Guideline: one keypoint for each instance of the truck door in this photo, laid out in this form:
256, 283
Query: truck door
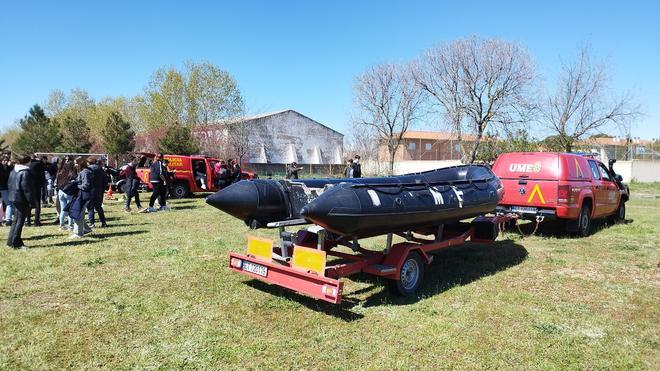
210, 166
611, 202
599, 190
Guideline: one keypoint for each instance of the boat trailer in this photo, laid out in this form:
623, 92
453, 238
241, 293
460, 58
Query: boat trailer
300, 262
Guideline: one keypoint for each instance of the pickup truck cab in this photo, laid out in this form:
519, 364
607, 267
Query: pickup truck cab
566, 186
191, 174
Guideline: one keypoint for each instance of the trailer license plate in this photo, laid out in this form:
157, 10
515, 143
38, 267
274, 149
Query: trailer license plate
523, 209
255, 268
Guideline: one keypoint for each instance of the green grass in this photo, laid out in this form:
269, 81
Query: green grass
153, 291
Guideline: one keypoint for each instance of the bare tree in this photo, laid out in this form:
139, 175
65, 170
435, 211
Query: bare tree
580, 105
476, 83
439, 73
388, 101
240, 137
363, 140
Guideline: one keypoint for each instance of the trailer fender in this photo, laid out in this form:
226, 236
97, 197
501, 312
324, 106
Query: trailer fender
398, 254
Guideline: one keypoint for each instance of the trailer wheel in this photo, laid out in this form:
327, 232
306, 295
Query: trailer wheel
180, 190
410, 277
584, 222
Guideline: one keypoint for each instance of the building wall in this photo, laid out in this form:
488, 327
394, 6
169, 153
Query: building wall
423, 150
289, 136
643, 171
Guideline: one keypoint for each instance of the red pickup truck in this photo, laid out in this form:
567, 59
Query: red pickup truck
572, 187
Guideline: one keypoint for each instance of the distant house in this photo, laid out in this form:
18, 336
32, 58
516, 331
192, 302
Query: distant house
428, 146
621, 148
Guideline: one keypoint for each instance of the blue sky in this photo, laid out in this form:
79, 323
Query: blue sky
304, 55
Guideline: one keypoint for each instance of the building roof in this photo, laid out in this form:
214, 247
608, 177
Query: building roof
267, 114
435, 135
615, 141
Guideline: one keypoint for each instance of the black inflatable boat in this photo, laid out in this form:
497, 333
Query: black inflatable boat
365, 207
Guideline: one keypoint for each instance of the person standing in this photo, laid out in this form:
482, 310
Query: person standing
158, 183
235, 171
81, 200
220, 174
21, 194
357, 168
97, 191
132, 185
66, 189
348, 170
292, 171
5, 169
38, 170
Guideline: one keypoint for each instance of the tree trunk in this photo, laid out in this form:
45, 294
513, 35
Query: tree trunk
392, 154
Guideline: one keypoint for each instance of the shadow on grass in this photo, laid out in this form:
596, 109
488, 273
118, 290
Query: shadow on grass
341, 311
453, 266
98, 235
42, 237
184, 207
456, 266
557, 228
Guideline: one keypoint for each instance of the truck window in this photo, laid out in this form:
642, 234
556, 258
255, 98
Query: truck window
605, 172
594, 169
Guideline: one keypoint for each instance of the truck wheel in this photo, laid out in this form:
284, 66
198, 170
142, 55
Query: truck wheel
619, 215
180, 190
584, 222
410, 277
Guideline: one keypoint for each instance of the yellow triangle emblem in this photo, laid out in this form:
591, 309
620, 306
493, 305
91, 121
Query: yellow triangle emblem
536, 190
578, 170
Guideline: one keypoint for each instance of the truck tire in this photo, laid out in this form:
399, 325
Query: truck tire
619, 215
584, 222
180, 190
410, 276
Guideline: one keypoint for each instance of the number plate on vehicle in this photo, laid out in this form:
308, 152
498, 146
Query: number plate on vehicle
523, 209
255, 268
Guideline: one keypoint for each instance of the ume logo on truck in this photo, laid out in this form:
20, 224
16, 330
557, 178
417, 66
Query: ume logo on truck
525, 168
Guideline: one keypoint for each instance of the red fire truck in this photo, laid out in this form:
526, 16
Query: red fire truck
186, 180
575, 188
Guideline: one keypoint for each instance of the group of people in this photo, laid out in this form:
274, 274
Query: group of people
353, 168
225, 174
28, 183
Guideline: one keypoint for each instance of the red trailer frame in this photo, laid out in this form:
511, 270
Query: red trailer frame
302, 266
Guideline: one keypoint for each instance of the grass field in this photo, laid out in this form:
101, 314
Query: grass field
152, 291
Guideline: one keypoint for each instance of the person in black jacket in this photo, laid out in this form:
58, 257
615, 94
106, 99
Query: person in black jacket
39, 175
5, 169
159, 183
97, 191
21, 194
235, 171
132, 185
357, 168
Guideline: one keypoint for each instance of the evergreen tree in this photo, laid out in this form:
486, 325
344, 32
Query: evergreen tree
118, 137
178, 140
75, 135
38, 133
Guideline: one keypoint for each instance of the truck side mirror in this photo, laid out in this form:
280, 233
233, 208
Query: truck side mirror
618, 178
